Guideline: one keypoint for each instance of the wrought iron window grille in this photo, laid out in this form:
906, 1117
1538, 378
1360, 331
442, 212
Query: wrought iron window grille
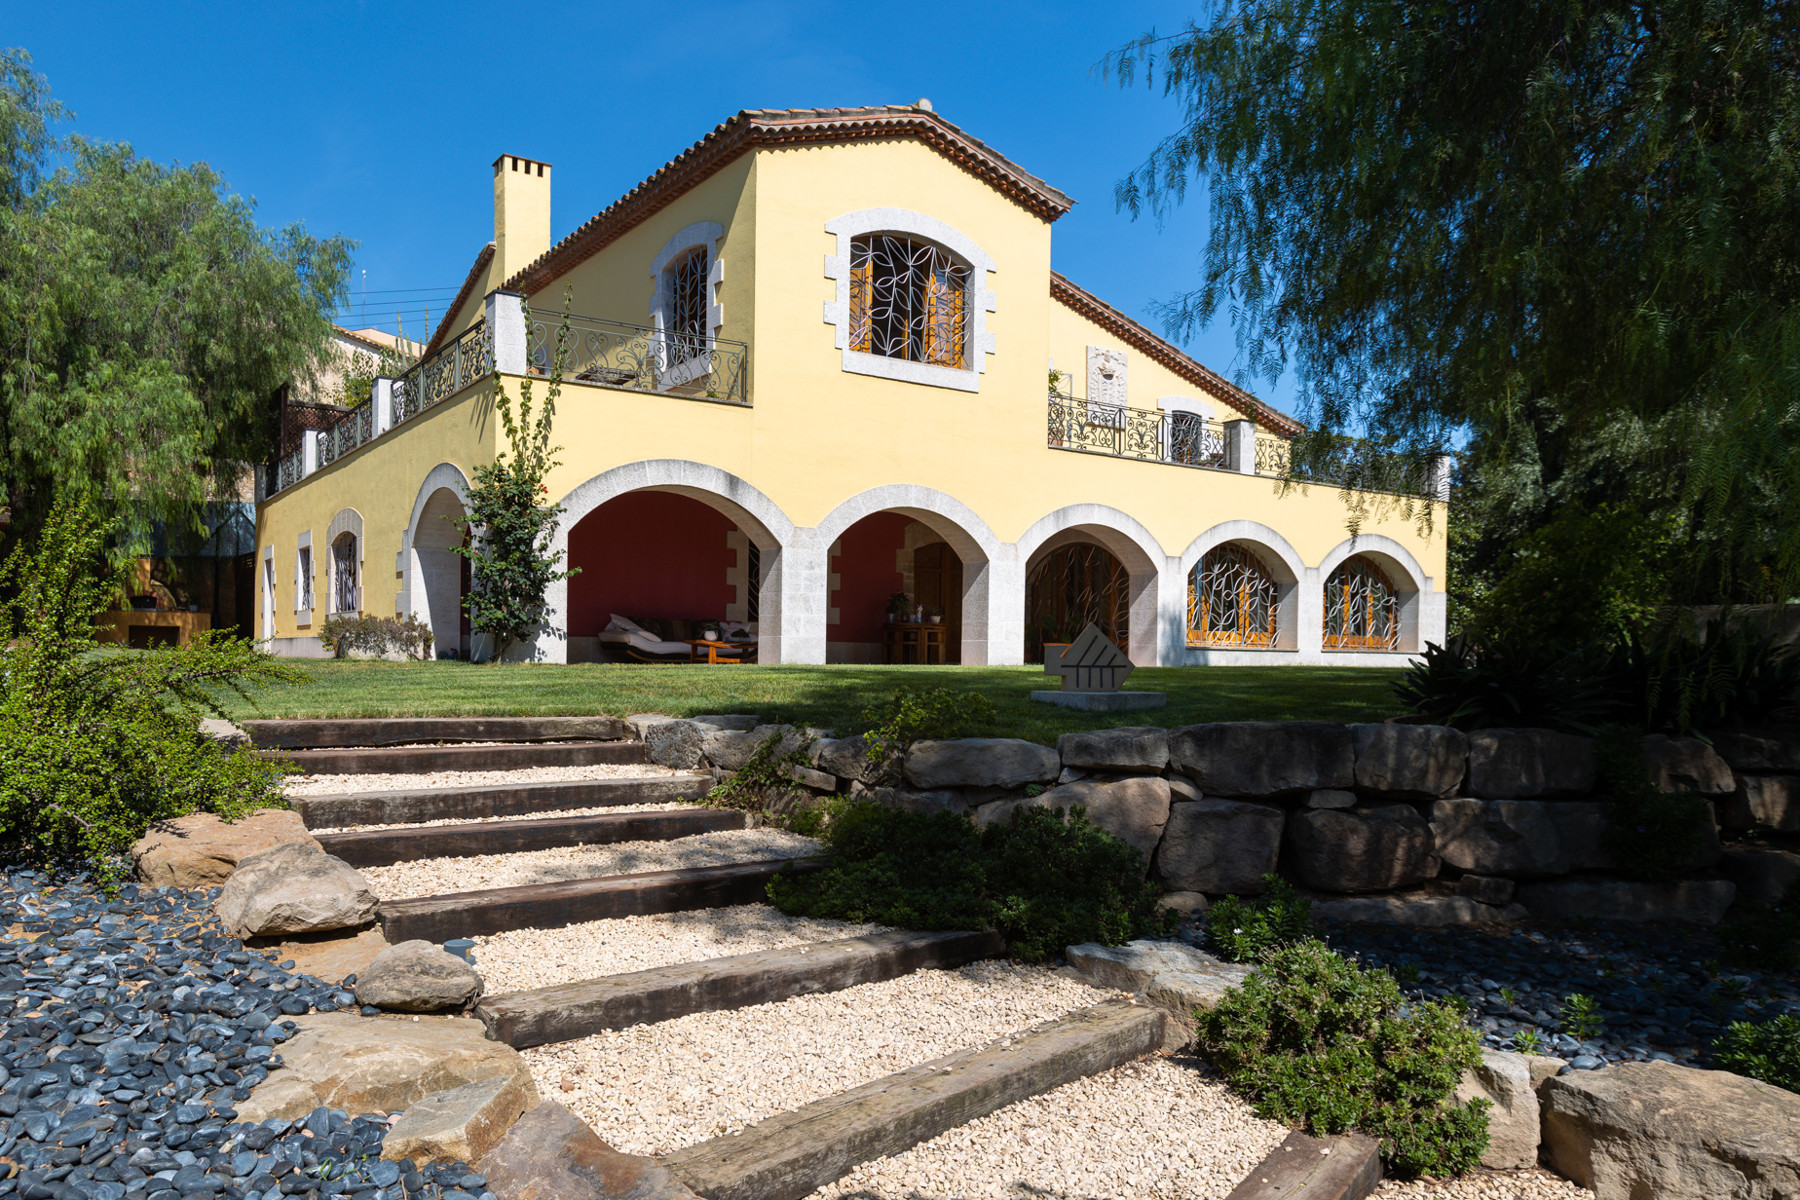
908, 300
343, 555
637, 357
1362, 611
1233, 600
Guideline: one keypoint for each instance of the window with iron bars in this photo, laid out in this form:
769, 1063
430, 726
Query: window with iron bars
1361, 609
1233, 600
908, 300
343, 555
686, 325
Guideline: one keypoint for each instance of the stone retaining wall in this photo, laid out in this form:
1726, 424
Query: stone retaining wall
1425, 811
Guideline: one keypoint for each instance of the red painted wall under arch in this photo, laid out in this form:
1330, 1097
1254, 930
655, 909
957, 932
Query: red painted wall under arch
648, 555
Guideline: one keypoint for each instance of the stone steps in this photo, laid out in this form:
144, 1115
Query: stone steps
553, 905
334, 733
505, 800
384, 847
412, 760
576, 1010
792, 1154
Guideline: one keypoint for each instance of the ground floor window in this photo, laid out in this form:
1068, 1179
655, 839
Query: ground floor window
303, 568
1071, 587
343, 574
1233, 599
1361, 610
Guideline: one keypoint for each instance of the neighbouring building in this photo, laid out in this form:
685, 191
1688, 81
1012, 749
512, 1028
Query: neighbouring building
819, 360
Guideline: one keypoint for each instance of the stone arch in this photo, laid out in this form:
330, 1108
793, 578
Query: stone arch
347, 521
1127, 540
431, 571
1276, 553
1411, 584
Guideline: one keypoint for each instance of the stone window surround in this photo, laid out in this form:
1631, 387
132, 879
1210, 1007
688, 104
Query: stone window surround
980, 300
704, 235
347, 521
268, 595
303, 583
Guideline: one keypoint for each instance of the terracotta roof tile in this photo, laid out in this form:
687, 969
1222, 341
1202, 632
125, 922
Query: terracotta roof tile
475, 273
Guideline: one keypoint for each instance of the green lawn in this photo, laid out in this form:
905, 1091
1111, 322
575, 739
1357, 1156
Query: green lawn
832, 697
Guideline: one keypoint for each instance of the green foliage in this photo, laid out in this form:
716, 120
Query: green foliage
95, 745
1528, 1041
510, 527
1769, 1051
1560, 234
1317, 1041
1730, 676
344, 634
1765, 939
765, 783
1580, 1017
145, 321
1042, 881
1244, 929
1507, 685
1653, 835
908, 714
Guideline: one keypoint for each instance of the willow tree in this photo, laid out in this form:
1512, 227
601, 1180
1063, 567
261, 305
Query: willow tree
1562, 238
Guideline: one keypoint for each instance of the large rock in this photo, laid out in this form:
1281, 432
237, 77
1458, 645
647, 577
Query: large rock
908, 800
1133, 748
1509, 764
417, 976
1520, 837
293, 888
980, 762
1504, 1079
1763, 876
461, 1124
1264, 758
1694, 901
1173, 976
377, 1064
331, 956
1133, 810
675, 744
1639, 1130
730, 749
1216, 846
1410, 762
1680, 764
226, 735
1769, 750
847, 758
1765, 802
550, 1154
201, 851
1414, 910
1360, 849
1488, 889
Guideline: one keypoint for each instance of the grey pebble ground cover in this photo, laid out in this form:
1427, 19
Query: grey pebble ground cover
128, 1028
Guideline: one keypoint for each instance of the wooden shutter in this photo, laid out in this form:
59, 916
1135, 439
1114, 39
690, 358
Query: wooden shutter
862, 296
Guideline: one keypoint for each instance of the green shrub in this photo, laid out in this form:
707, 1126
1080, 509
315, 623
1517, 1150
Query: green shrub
1243, 929
765, 783
911, 714
1767, 939
1314, 1040
1581, 1017
1769, 1051
96, 744
344, 634
1044, 882
1653, 835
1501, 684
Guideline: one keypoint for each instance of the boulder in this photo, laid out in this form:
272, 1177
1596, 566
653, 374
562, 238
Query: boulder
1655, 1129
1694, 901
1132, 810
1173, 976
1182, 788
742, 722
1216, 846
1331, 798
1415, 909
417, 976
222, 733
201, 851
1409, 762
331, 956
1520, 837
461, 1124
1188, 904
730, 749
1360, 849
1770, 750
1763, 802
1762, 876
1487, 889
1133, 748
1504, 1079
674, 744
912, 801
980, 762
1681, 764
551, 1154
847, 758
293, 888
639, 723
377, 1064
1264, 758
1510, 764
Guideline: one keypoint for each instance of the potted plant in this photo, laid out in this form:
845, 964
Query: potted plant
897, 607
712, 635
935, 616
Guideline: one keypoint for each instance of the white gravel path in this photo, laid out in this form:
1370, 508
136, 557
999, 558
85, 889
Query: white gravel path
535, 958
651, 1089
669, 806
337, 785
1162, 1128
1534, 1184
435, 876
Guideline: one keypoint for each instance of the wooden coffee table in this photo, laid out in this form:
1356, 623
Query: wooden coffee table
713, 656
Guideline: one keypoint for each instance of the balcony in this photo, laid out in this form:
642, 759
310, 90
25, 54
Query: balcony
639, 358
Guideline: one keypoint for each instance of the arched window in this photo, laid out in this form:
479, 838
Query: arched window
343, 574
1233, 599
908, 300
1361, 610
685, 281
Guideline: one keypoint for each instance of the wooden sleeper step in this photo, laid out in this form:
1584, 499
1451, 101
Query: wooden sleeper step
577, 1010
1304, 1167
553, 905
507, 800
399, 731
792, 1154
384, 847
417, 760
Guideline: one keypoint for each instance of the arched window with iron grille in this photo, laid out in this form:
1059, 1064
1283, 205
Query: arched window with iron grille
686, 327
907, 300
343, 574
1362, 611
1233, 600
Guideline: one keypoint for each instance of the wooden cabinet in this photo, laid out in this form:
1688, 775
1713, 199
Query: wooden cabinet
914, 642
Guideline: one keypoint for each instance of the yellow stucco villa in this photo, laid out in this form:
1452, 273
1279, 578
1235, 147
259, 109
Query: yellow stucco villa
826, 391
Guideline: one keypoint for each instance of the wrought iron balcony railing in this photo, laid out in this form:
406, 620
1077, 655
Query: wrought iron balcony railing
640, 358
469, 358
1185, 439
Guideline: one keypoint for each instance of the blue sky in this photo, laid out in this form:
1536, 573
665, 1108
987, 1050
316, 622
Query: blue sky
380, 120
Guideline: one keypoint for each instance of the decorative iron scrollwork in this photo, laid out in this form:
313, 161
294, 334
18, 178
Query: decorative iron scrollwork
640, 358
1362, 611
908, 300
1233, 600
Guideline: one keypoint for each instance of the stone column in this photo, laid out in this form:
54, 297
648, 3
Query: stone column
1309, 605
993, 610
382, 397
311, 442
1240, 447
793, 613
506, 318
1171, 613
